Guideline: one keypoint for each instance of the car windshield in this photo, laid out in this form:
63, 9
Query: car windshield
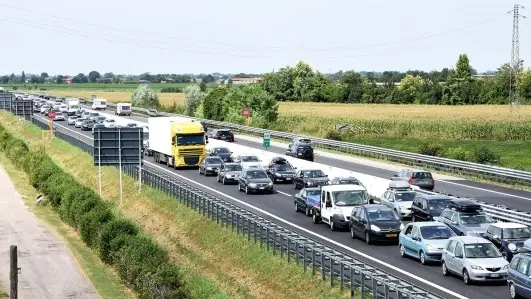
223, 133
256, 174
213, 160
475, 219
313, 193
376, 214
110, 120
421, 175
349, 197
235, 167
517, 233
439, 232
349, 182
405, 196
313, 174
191, 139
439, 204
73, 117
282, 167
481, 250
221, 150
250, 159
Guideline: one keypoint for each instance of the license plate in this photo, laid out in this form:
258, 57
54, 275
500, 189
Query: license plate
423, 182
223, 138
390, 235
262, 188
289, 179
495, 275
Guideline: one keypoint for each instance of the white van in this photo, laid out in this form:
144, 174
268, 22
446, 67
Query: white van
124, 109
99, 104
337, 203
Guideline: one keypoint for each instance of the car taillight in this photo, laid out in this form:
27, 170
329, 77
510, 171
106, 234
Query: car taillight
411, 179
218, 137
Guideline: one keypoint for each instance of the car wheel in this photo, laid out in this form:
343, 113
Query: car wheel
422, 257
200, 173
332, 226
512, 291
294, 185
352, 233
246, 189
368, 238
466, 278
402, 251
296, 208
219, 181
239, 187
315, 219
444, 269
307, 211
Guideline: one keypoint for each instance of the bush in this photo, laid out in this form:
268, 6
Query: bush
90, 226
457, 153
484, 155
166, 283
431, 149
334, 135
82, 205
57, 187
42, 172
171, 90
112, 230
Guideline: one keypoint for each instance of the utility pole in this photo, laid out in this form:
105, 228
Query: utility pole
514, 88
13, 272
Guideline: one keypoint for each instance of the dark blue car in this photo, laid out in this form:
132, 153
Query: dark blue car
307, 199
519, 275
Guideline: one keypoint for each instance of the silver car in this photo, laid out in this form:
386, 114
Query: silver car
72, 120
421, 178
399, 197
474, 259
59, 116
229, 173
79, 122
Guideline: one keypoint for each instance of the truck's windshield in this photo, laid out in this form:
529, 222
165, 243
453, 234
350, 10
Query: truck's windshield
191, 139
350, 197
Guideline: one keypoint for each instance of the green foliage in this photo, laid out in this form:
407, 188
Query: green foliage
202, 86
213, 103
144, 96
333, 135
264, 108
171, 90
142, 264
193, 97
431, 149
484, 155
457, 153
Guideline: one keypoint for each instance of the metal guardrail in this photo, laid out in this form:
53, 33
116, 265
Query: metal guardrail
497, 173
332, 265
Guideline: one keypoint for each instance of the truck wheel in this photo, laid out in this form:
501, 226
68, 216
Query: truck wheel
315, 218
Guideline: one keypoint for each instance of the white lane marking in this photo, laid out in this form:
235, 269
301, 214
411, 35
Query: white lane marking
403, 272
316, 234
284, 193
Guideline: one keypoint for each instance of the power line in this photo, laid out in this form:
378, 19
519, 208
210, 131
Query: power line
327, 49
516, 63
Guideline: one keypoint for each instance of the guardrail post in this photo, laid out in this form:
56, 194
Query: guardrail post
323, 274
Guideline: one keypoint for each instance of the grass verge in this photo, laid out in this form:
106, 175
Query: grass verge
216, 262
102, 277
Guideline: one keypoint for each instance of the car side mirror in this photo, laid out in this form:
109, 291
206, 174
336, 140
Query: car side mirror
395, 175
416, 238
206, 142
454, 222
459, 256
496, 237
326, 175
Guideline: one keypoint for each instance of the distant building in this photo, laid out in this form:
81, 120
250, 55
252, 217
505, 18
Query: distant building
68, 80
237, 81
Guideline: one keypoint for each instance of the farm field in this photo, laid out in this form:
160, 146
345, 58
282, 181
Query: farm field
458, 129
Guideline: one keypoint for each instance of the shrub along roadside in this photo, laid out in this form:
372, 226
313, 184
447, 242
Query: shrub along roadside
142, 264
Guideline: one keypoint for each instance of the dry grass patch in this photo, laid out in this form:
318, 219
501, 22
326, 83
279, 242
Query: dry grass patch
166, 99
213, 258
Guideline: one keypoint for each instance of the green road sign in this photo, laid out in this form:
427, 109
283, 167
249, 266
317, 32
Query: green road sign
267, 140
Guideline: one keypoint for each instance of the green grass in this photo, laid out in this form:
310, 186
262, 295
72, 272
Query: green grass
93, 86
216, 262
105, 282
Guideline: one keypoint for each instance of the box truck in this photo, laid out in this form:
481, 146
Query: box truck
72, 105
123, 109
176, 141
99, 104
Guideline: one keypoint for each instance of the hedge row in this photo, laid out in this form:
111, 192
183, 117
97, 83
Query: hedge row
142, 264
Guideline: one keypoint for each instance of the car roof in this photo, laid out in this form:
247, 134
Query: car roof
344, 187
428, 223
415, 170
312, 188
231, 163
346, 178
310, 169
470, 239
376, 206
508, 225
436, 196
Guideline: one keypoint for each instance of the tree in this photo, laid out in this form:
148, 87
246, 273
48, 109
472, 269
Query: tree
525, 85
193, 97
59, 79
44, 75
108, 75
4, 79
80, 78
213, 103
93, 76
34, 80
202, 86
355, 85
208, 79
410, 87
144, 96
463, 70
23, 77
264, 107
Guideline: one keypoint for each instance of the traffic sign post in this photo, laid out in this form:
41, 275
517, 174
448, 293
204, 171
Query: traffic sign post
246, 112
267, 140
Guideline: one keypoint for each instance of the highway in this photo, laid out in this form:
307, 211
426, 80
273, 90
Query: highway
385, 257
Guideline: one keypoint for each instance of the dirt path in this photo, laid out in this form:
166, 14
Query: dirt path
48, 271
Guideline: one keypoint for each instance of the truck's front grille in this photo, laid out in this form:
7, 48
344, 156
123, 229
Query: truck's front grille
191, 160
191, 152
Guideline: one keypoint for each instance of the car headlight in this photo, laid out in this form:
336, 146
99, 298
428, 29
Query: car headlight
209, 168
431, 247
278, 174
474, 267
506, 267
512, 247
338, 211
270, 184
375, 228
252, 185
309, 183
401, 226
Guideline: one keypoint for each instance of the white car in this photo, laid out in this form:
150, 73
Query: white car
72, 120
44, 108
248, 161
59, 116
79, 122
63, 108
109, 123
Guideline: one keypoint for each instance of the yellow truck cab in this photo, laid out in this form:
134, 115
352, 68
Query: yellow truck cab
176, 141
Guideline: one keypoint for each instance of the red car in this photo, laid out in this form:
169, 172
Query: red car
223, 134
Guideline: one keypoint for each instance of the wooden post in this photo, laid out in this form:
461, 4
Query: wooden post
13, 274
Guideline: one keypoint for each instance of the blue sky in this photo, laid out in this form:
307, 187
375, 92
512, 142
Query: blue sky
235, 36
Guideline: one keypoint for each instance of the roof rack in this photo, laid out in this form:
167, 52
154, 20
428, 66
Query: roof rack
399, 185
465, 205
